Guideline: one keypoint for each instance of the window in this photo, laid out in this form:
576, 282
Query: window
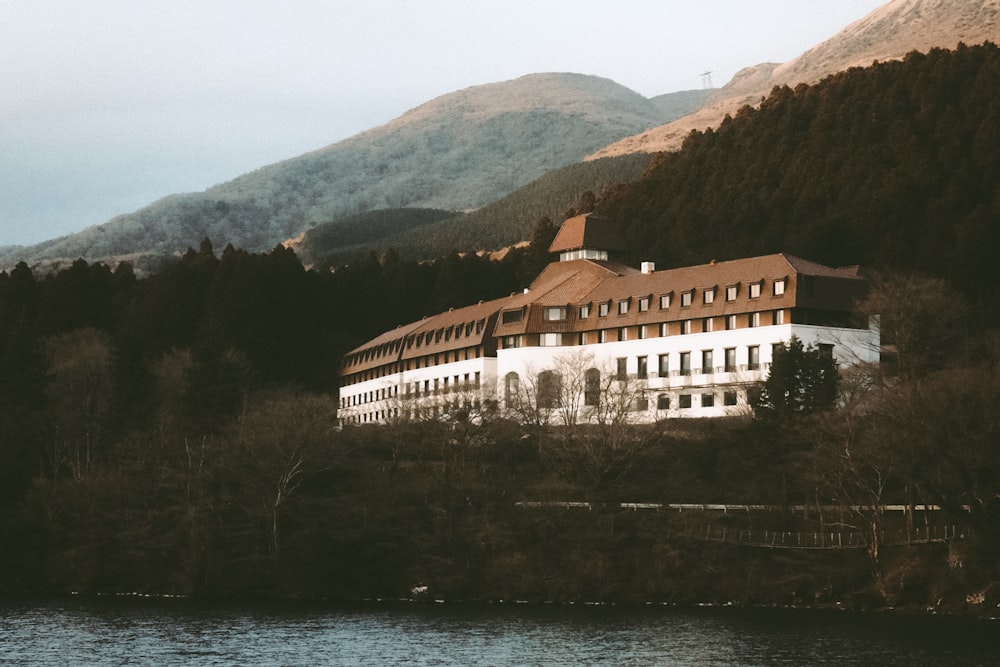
754, 290
622, 333
730, 322
708, 400
708, 296
730, 355
512, 316
753, 319
602, 336
592, 387
664, 301
731, 292
644, 304
623, 307
684, 401
664, 365
584, 312
640, 404
663, 329
511, 342
663, 402
687, 298
685, 326
512, 386
642, 332
642, 367
779, 287
708, 324
753, 357
549, 388
552, 313
550, 339
778, 317
622, 370
707, 364
825, 350
602, 309
685, 363
729, 398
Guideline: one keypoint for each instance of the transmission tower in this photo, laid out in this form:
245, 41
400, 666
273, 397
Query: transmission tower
706, 79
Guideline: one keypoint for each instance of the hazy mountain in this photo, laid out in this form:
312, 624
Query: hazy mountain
888, 33
421, 234
457, 152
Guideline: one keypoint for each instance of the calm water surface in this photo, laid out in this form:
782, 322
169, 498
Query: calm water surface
180, 632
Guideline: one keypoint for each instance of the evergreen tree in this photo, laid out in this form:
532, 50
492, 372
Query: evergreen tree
802, 380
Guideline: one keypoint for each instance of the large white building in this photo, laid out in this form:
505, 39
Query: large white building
590, 335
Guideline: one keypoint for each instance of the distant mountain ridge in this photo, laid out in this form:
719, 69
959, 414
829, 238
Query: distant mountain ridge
457, 152
888, 33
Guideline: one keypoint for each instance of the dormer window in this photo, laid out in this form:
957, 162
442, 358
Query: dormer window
584, 311
554, 313
708, 296
644, 304
731, 292
754, 290
779, 287
687, 298
512, 316
664, 301
602, 309
623, 307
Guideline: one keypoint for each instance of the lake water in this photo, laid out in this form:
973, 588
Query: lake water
85, 632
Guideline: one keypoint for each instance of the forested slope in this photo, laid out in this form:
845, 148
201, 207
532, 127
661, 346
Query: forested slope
892, 166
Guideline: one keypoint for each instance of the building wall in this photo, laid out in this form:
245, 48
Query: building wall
422, 392
849, 346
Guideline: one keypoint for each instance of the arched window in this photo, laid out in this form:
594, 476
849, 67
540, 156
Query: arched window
511, 389
549, 388
592, 387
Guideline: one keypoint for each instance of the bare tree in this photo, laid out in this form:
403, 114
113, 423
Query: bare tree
920, 320
80, 388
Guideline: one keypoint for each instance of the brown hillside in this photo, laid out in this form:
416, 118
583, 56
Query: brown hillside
887, 33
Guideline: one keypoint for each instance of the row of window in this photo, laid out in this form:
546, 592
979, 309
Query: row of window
425, 361
423, 338
643, 303
548, 394
684, 358
643, 331
428, 387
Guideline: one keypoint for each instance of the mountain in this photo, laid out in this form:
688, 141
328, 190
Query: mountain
457, 152
888, 33
417, 233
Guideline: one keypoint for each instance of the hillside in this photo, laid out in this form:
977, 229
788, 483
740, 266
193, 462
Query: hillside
457, 152
895, 166
888, 33
503, 223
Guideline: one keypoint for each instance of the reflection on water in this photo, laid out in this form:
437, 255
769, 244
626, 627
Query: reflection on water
181, 632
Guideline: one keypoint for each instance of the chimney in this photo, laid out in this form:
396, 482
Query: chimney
648, 267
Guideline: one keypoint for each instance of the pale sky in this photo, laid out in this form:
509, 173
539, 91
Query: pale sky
108, 105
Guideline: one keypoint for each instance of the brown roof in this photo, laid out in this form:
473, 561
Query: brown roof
588, 230
438, 333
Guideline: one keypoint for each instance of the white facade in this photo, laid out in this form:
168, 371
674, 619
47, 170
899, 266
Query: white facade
667, 376
430, 392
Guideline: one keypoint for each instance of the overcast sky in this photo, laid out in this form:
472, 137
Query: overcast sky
108, 105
